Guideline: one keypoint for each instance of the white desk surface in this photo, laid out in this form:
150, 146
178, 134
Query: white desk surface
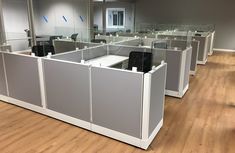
107, 61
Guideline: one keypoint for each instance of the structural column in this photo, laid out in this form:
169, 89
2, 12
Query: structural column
31, 21
104, 16
2, 28
90, 16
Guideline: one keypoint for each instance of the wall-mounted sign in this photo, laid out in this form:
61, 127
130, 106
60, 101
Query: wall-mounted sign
65, 19
81, 18
45, 19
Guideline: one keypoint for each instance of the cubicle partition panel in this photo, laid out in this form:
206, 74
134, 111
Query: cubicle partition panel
67, 90
82, 45
23, 78
62, 46
131, 42
73, 56
148, 41
178, 69
94, 52
212, 43
66, 45
112, 39
195, 51
186, 69
154, 100
125, 50
3, 82
134, 117
6, 48
120, 93
181, 44
203, 49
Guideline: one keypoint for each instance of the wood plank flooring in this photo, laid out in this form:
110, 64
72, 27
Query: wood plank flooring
202, 122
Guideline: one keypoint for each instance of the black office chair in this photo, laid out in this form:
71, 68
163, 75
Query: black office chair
74, 36
43, 50
161, 45
128, 31
141, 60
99, 41
198, 34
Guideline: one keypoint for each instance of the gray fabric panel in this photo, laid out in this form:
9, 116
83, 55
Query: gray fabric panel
125, 50
209, 43
111, 39
195, 50
3, 88
67, 88
187, 66
117, 100
94, 52
82, 45
75, 56
202, 48
173, 60
178, 43
157, 98
23, 78
135, 42
147, 41
6, 48
158, 55
64, 46
183, 44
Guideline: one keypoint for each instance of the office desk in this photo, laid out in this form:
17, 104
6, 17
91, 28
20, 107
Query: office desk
107, 61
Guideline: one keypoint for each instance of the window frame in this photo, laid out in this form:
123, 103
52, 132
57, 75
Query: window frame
115, 9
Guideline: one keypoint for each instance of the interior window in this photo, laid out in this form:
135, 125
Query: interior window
115, 17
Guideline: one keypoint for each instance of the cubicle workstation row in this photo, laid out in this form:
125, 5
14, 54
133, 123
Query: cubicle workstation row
177, 59
203, 47
88, 88
183, 44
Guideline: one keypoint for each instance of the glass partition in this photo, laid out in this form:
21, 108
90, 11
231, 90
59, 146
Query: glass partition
16, 24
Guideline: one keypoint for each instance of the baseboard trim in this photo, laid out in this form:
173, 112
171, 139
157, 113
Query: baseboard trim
224, 50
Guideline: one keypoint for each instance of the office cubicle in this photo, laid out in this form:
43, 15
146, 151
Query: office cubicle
203, 47
182, 44
178, 60
76, 78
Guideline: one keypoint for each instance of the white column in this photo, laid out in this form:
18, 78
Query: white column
31, 21
2, 28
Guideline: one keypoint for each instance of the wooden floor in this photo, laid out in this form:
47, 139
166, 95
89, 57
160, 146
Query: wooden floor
202, 122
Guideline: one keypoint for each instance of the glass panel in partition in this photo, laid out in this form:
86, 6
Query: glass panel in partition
16, 24
65, 21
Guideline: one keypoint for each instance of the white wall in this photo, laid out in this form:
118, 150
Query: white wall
15, 22
218, 12
129, 13
54, 10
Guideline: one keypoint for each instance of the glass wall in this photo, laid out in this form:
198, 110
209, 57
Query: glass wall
63, 19
16, 24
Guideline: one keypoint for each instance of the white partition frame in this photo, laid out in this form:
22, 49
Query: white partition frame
142, 142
